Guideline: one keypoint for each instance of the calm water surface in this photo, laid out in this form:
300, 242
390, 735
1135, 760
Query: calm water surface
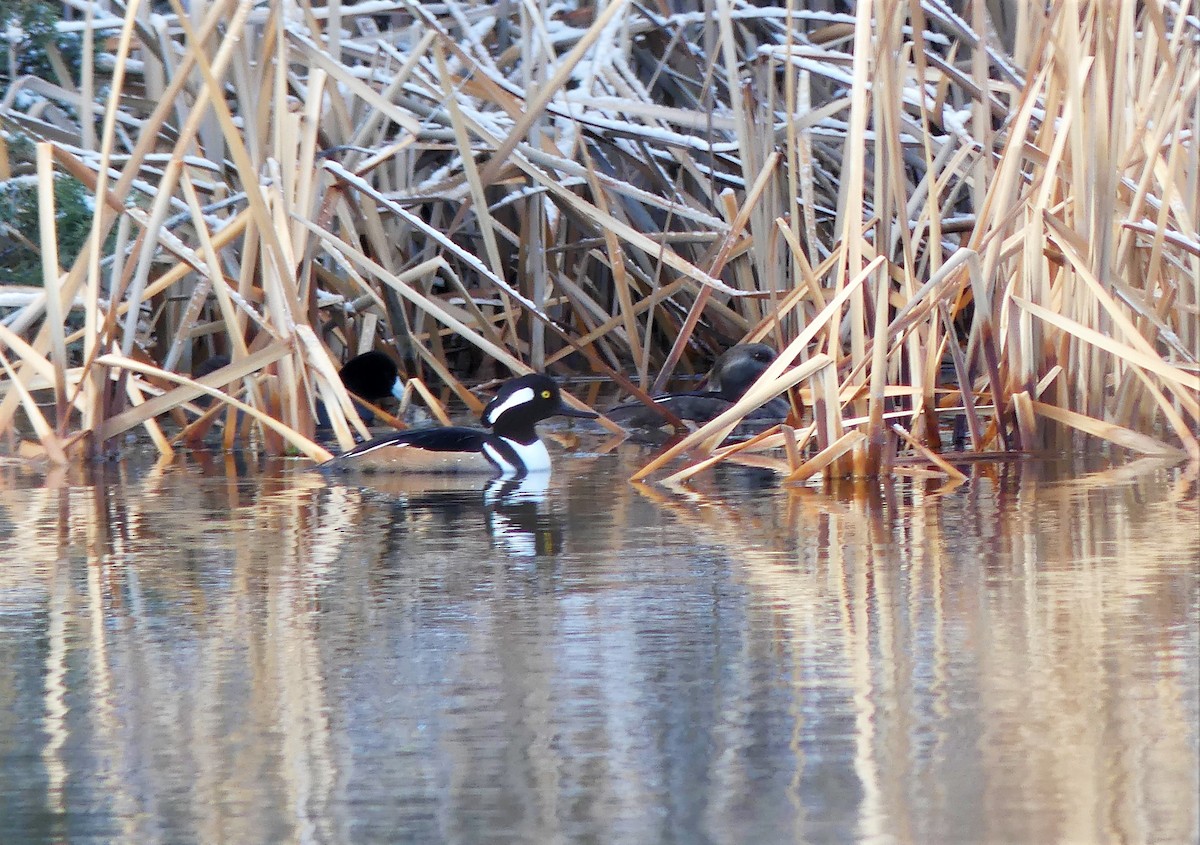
214, 652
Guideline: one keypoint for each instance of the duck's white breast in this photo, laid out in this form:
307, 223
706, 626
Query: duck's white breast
534, 456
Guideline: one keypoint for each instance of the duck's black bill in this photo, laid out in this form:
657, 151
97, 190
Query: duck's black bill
565, 411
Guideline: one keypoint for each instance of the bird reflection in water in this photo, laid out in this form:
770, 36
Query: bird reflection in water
515, 511
518, 517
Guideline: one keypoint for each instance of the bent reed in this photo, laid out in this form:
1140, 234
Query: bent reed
988, 218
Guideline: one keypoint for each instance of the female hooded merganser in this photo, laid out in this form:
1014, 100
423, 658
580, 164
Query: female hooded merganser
730, 377
511, 449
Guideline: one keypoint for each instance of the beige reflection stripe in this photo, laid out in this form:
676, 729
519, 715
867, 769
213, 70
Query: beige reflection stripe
55, 694
300, 702
101, 710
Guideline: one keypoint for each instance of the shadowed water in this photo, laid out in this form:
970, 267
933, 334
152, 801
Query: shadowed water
212, 652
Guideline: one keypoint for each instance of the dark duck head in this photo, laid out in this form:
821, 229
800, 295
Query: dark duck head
372, 376
739, 367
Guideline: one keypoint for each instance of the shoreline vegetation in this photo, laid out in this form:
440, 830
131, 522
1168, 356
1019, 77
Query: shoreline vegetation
989, 216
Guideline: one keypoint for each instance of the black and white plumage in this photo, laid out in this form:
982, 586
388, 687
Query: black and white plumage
511, 449
728, 380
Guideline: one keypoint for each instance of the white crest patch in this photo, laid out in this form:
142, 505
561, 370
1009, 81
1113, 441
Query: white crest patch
517, 399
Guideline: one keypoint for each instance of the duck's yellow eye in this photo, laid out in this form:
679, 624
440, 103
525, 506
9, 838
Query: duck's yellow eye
545, 394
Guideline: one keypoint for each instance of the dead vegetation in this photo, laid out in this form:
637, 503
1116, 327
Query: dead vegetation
888, 195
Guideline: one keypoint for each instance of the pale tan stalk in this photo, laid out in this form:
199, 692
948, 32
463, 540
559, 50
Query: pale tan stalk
51, 278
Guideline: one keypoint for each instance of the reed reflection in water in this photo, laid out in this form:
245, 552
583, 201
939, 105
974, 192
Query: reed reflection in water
211, 652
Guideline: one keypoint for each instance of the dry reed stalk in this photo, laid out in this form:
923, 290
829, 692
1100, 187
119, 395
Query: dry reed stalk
737, 224
728, 453
974, 427
934, 458
50, 280
431, 401
776, 379
1123, 437
621, 280
37, 363
45, 432
633, 194
160, 440
1187, 383
827, 457
487, 227
304, 445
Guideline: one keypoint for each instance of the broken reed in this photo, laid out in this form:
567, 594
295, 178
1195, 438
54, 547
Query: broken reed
627, 189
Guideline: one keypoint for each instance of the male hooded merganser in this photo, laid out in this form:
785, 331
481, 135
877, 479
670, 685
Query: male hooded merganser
730, 377
511, 449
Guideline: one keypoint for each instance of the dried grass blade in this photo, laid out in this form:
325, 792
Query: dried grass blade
627, 233
1119, 435
535, 106
37, 362
319, 58
1123, 351
338, 404
827, 457
621, 281
134, 391
49, 440
431, 401
191, 389
401, 285
736, 226
810, 331
1062, 237
486, 226
1026, 423
965, 385
689, 472
432, 232
927, 453
310, 449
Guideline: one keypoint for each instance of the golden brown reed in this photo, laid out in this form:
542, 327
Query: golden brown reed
1010, 196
